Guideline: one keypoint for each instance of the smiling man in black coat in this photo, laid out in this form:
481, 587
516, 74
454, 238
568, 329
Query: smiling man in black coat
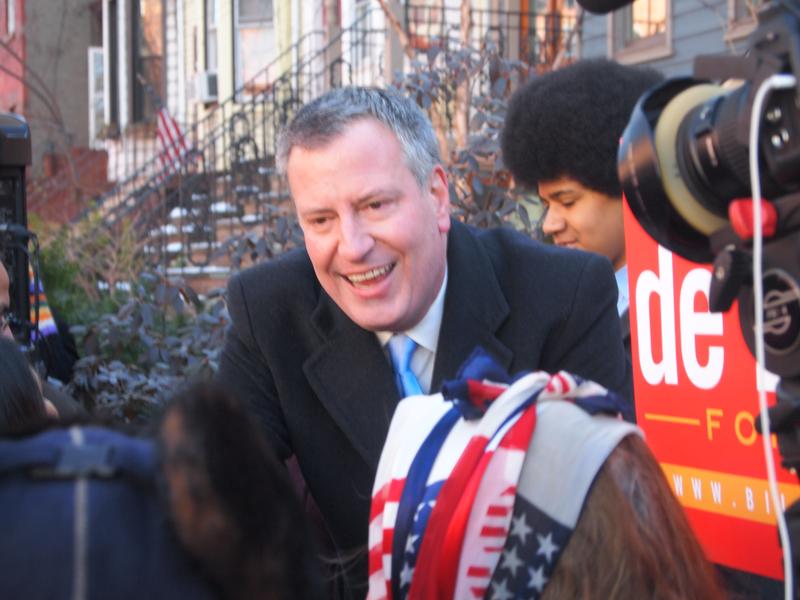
382, 257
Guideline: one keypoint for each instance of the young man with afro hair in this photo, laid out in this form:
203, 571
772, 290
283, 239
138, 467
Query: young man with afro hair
560, 139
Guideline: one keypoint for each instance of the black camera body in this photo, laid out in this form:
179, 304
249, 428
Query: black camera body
683, 165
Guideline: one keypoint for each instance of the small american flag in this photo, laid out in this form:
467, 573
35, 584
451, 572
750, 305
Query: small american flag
171, 141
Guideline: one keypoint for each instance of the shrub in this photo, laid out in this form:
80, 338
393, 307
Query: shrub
135, 357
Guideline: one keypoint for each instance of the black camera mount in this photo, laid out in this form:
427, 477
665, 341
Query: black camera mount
15, 156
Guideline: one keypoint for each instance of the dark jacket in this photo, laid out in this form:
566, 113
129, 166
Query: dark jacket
625, 328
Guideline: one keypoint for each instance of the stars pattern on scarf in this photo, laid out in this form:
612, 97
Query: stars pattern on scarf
546, 546
537, 579
530, 554
414, 541
520, 528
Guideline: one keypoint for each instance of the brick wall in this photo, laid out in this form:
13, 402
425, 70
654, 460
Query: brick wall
64, 191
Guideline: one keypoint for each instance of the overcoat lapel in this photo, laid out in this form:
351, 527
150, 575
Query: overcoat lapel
474, 307
625, 328
353, 379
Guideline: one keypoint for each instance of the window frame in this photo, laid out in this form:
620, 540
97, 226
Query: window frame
211, 65
238, 76
644, 50
95, 128
143, 107
11, 17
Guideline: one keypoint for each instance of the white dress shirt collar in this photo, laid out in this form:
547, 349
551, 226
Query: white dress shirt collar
426, 332
622, 289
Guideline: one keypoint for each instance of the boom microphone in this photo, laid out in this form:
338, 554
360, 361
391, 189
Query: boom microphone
601, 7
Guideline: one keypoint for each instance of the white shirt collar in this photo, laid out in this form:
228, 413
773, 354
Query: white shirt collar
426, 332
622, 289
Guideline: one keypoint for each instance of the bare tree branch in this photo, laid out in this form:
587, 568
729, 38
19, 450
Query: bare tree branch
723, 22
44, 91
39, 88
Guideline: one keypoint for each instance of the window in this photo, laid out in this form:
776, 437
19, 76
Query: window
148, 52
641, 31
96, 95
11, 17
211, 35
741, 18
255, 45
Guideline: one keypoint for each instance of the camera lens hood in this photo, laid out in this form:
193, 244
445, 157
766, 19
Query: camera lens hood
649, 181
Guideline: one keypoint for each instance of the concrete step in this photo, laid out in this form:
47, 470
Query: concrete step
202, 279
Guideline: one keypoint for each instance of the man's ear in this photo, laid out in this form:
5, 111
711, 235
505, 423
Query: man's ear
440, 193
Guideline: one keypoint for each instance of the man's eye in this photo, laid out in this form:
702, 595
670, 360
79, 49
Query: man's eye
319, 221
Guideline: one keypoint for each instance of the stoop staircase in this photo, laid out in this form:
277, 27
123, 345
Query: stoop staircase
226, 204
227, 193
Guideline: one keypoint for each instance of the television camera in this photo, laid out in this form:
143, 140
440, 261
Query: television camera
685, 166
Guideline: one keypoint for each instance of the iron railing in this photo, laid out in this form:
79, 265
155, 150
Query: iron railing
198, 133
228, 183
534, 38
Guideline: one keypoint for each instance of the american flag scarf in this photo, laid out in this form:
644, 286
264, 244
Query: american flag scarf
467, 501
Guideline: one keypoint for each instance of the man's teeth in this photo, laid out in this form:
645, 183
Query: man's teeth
369, 275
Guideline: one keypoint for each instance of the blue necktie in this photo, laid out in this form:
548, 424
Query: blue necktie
401, 349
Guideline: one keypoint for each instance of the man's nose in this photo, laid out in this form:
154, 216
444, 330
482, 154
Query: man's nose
355, 240
553, 221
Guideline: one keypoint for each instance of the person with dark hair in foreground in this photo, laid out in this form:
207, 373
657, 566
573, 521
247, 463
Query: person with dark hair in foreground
22, 405
560, 138
207, 512
231, 500
388, 298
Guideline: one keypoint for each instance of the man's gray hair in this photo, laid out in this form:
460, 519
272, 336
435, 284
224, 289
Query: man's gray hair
323, 119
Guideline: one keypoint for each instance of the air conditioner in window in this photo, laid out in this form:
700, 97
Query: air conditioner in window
205, 87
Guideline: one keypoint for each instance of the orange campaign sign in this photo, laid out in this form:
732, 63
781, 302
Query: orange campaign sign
696, 400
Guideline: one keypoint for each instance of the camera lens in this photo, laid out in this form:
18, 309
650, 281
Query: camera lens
651, 175
712, 162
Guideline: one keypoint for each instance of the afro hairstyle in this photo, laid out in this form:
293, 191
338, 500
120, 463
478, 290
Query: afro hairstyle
567, 123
